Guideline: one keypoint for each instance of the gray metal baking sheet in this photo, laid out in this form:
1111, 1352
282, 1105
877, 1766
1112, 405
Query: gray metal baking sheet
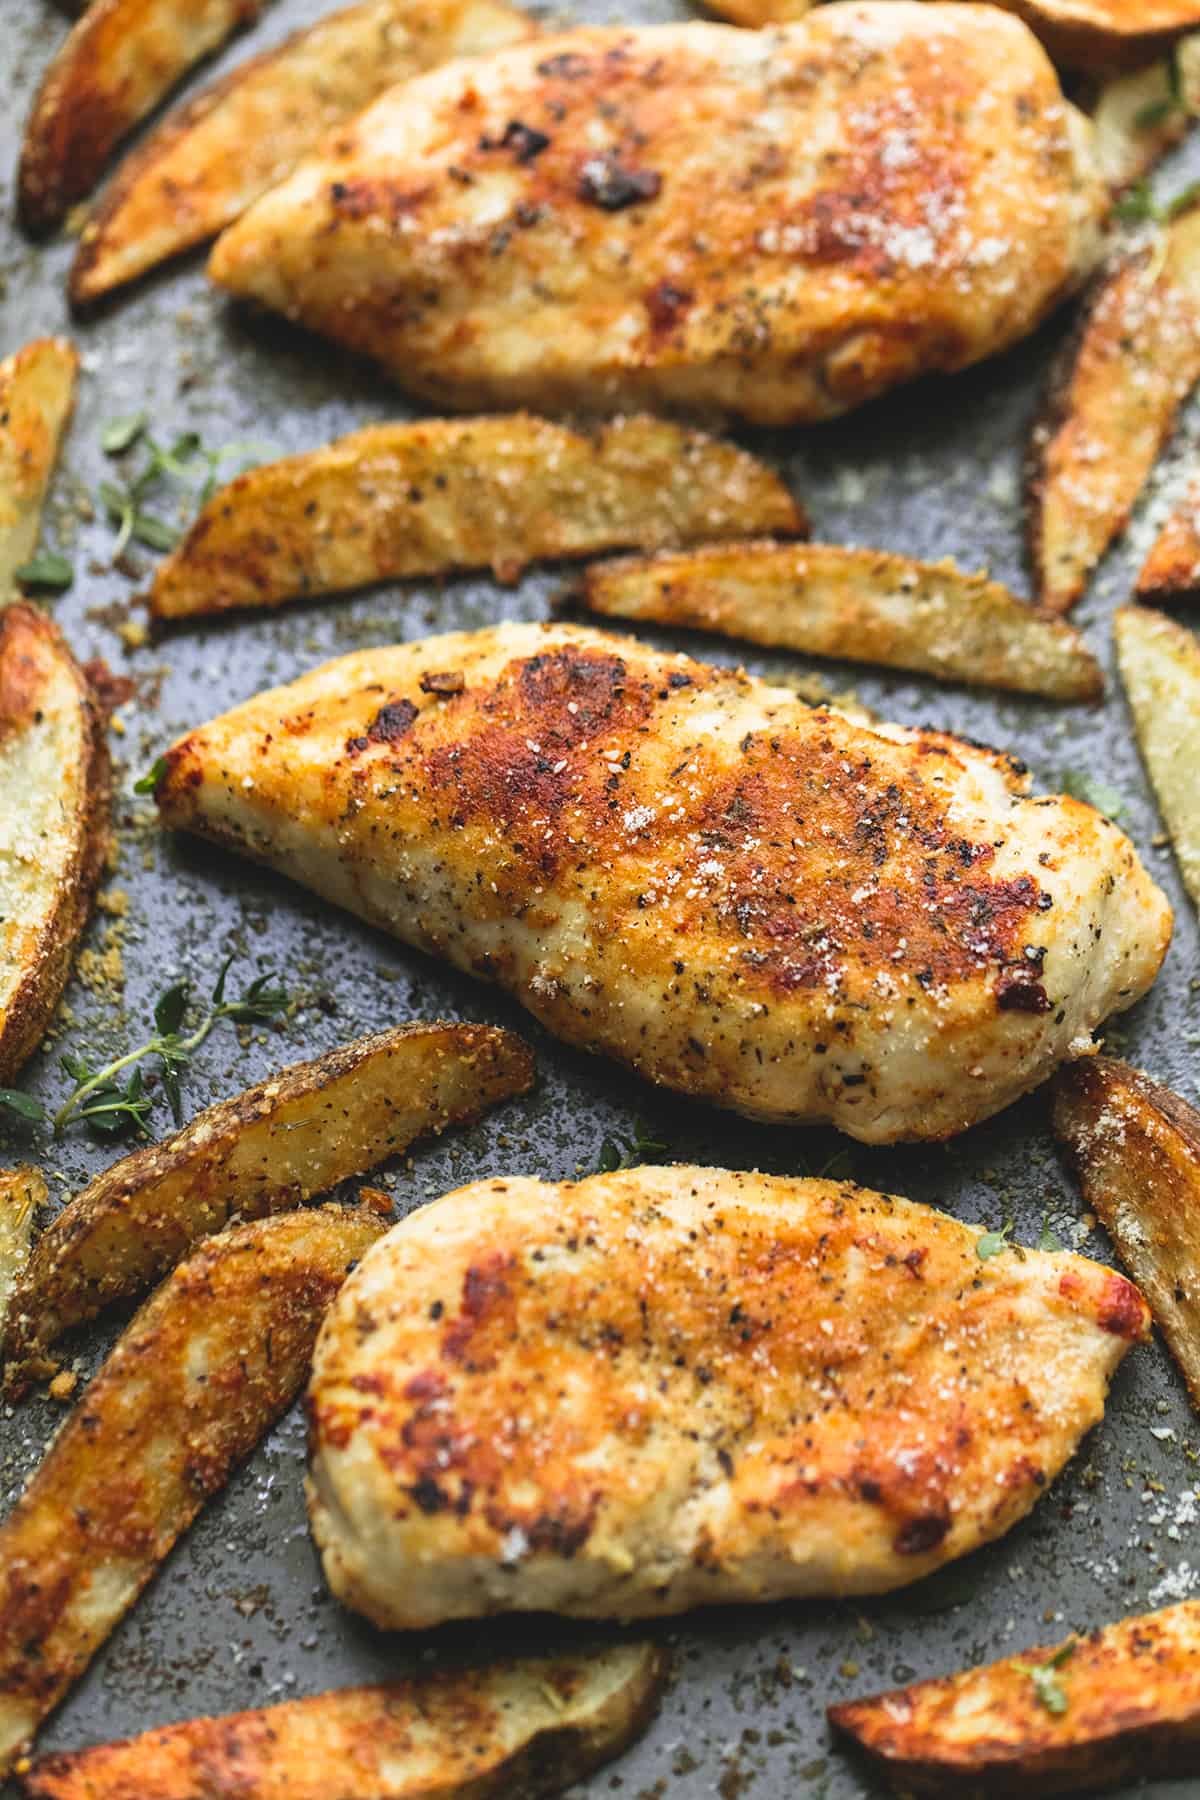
239, 1616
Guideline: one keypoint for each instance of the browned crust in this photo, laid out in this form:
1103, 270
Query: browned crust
27, 638
138, 1218
204, 1370
85, 105
353, 1741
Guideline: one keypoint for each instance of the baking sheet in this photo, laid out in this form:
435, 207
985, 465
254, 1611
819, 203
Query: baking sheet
239, 1616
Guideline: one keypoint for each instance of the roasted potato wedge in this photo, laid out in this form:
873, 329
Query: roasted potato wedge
1112, 403
1139, 116
265, 1151
205, 164
530, 1727
1136, 1149
753, 13
1171, 572
1160, 667
118, 61
443, 494
1118, 1705
206, 1367
1106, 35
860, 605
37, 395
22, 1191
54, 822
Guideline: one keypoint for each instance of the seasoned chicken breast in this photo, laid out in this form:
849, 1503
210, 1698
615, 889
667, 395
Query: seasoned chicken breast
666, 1387
776, 224
741, 897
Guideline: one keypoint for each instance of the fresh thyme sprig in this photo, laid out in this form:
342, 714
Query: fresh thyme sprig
628, 1152
181, 462
110, 1105
1137, 204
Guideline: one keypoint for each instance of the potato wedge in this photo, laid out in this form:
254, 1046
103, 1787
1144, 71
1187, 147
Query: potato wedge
1106, 35
1138, 117
1111, 405
22, 1191
1171, 572
37, 395
1160, 667
118, 61
54, 822
531, 1727
1129, 1696
264, 1151
861, 605
206, 1367
443, 494
1136, 1149
753, 13
205, 163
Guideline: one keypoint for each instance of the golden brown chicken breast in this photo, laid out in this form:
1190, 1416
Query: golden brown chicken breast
741, 897
777, 224
666, 1387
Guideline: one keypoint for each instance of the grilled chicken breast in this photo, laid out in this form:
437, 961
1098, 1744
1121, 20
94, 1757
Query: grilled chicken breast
666, 1387
741, 897
777, 225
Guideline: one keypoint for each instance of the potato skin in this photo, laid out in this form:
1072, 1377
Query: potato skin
527, 1728
1133, 1710
52, 717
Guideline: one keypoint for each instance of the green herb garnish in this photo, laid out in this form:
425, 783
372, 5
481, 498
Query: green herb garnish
182, 462
1047, 1687
148, 783
1096, 793
627, 1153
46, 570
992, 1243
111, 1105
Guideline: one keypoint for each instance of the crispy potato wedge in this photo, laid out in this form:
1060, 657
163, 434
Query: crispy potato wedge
206, 1367
217, 153
22, 1191
1111, 406
1132, 1710
1106, 35
1160, 667
1136, 1149
118, 61
860, 605
264, 1151
443, 494
1139, 116
54, 822
531, 1727
1171, 572
37, 395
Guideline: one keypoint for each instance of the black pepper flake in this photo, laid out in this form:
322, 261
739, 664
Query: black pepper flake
525, 143
607, 183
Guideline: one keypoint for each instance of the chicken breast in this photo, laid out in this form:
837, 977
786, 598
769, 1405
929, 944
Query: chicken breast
742, 897
666, 1387
777, 225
